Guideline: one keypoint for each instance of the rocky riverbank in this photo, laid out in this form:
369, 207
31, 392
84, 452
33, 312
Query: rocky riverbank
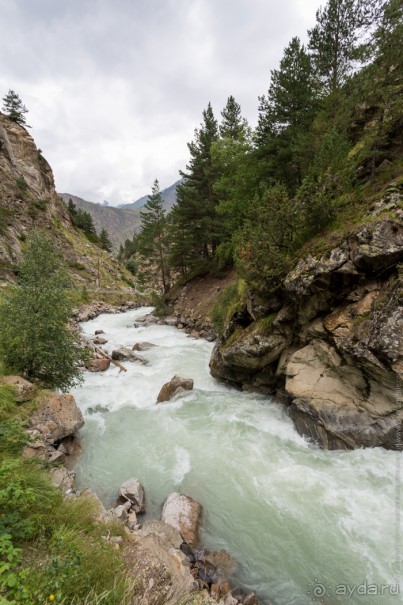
328, 343
164, 554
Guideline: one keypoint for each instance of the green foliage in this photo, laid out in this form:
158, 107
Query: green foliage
51, 547
83, 220
265, 240
151, 240
105, 241
14, 108
22, 184
35, 338
131, 266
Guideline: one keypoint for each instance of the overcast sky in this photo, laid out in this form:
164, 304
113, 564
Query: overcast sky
115, 88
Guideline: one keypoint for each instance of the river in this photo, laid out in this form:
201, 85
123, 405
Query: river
303, 523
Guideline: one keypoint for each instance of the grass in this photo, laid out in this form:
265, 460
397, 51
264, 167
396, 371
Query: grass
49, 546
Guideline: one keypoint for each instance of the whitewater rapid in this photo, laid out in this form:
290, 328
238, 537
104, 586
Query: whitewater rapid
304, 524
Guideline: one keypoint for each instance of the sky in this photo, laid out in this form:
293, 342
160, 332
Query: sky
115, 88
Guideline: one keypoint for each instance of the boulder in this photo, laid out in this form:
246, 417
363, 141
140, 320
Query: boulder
131, 490
124, 354
99, 341
99, 332
63, 479
57, 417
100, 364
184, 514
174, 387
170, 320
121, 511
132, 522
168, 534
23, 389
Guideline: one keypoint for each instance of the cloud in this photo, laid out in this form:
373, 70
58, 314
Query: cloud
115, 88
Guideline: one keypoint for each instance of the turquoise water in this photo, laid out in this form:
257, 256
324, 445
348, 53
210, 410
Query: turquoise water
302, 523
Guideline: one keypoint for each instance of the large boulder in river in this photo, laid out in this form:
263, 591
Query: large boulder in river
174, 387
131, 490
142, 346
23, 389
57, 417
184, 514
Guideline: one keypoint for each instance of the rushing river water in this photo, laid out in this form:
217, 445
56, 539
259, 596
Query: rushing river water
295, 517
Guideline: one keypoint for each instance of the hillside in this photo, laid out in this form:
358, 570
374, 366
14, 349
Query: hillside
28, 200
120, 223
168, 196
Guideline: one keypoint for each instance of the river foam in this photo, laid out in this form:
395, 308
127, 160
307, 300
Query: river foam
294, 516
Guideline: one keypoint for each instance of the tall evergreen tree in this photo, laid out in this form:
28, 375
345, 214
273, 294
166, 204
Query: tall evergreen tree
14, 108
196, 200
152, 235
105, 241
233, 125
335, 39
285, 117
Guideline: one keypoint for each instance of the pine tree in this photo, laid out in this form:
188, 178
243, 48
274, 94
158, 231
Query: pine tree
197, 202
14, 108
152, 234
285, 117
233, 125
334, 41
35, 338
104, 240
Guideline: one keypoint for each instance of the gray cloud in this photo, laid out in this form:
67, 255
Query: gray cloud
115, 88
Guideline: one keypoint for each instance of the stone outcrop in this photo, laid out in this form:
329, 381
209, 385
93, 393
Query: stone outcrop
98, 364
57, 417
331, 349
23, 389
184, 514
174, 387
28, 199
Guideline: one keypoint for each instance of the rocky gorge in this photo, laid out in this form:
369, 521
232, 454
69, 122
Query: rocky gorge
328, 344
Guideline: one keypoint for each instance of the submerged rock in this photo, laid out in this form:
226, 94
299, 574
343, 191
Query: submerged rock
174, 387
142, 346
124, 354
184, 514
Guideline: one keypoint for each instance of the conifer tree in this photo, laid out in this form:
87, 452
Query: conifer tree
14, 108
233, 125
335, 39
152, 235
196, 200
105, 241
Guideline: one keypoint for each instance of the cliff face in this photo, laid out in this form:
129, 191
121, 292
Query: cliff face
28, 200
329, 345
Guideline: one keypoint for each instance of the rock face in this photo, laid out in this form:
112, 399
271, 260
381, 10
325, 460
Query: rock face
28, 199
184, 514
23, 389
174, 387
331, 349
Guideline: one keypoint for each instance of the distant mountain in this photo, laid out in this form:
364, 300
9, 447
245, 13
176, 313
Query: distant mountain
168, 196
120, 223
